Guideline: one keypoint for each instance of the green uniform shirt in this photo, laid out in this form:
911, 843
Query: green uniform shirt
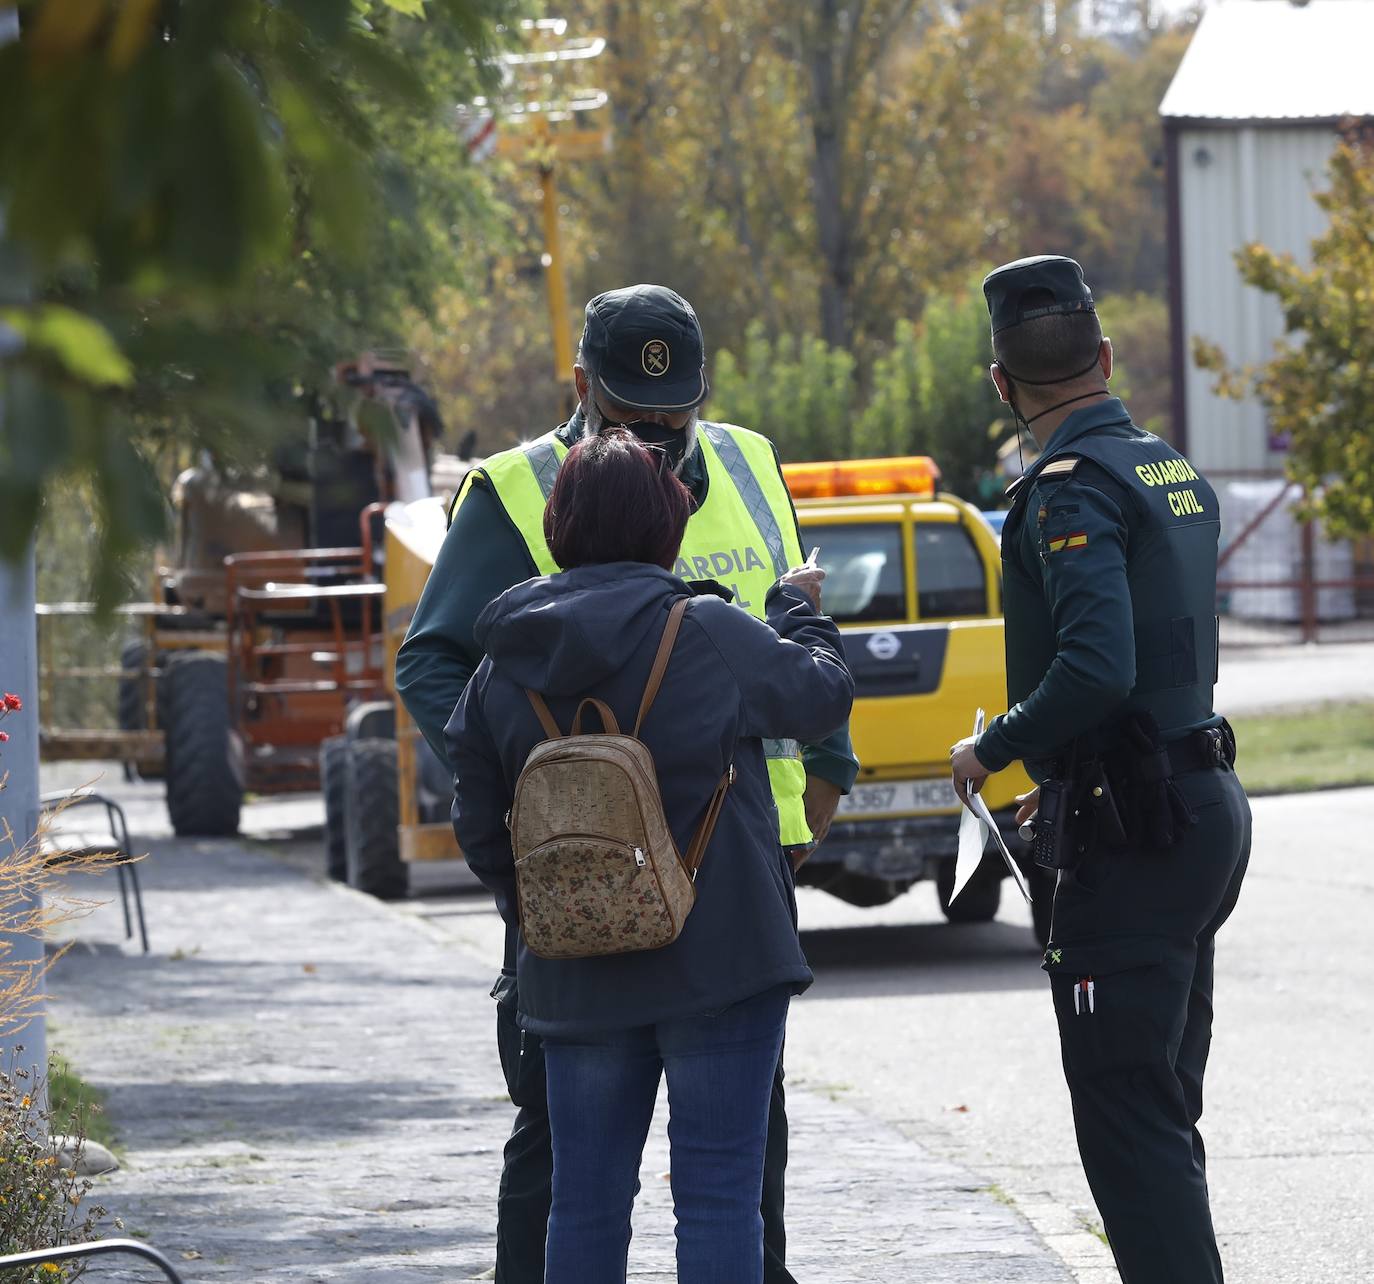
1109, 562
482, 556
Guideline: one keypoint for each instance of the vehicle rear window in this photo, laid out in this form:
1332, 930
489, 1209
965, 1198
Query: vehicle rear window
865, 577
949, 572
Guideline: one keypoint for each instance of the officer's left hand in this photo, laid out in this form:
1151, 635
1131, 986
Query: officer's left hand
821, 800
965, 769
808, 579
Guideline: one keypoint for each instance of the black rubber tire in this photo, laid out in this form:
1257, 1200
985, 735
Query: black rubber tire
979, 901
334, 787
132, 709
372, 847
204, 784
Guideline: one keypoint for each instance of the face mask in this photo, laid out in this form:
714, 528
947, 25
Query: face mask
672, 441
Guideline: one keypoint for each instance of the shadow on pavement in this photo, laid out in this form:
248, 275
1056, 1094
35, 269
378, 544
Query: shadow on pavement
921, 958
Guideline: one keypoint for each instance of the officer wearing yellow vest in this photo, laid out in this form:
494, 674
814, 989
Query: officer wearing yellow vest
641, 365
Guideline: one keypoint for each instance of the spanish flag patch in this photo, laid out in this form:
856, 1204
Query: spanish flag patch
1078, 539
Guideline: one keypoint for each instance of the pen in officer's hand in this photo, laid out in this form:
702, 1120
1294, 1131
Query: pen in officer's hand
812, 556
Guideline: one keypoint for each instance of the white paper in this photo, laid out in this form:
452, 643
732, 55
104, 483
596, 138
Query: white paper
973, 834
980, 808
973, 842
975, 825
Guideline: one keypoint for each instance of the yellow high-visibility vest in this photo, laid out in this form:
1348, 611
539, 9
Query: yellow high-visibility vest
744, 535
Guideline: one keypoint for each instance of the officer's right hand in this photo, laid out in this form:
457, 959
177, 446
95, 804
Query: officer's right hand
1029, 805
808, 579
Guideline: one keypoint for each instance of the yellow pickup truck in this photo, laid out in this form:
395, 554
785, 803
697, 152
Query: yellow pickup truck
913, 578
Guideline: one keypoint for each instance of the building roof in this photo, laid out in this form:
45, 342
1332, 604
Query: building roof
1275, 60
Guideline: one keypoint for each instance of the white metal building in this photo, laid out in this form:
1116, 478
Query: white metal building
1249, 122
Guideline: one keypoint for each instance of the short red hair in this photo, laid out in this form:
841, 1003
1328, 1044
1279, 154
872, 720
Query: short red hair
616, 500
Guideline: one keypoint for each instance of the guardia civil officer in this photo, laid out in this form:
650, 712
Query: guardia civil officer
641, 365
1109, 555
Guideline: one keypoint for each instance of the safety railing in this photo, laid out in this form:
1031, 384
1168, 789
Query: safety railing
97, 1248
1278, 578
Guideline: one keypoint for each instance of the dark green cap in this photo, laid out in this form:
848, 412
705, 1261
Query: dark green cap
1036, 287
644, 344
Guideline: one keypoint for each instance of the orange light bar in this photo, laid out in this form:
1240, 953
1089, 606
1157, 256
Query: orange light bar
909, 475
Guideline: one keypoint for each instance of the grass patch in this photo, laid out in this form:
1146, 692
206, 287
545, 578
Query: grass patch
1324, 747
69, 1093
1094, 1228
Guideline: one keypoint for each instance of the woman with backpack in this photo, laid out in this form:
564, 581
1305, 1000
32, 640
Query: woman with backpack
633, 963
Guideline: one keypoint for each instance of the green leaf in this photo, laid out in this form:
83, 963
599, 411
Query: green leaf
78, 341
411, 8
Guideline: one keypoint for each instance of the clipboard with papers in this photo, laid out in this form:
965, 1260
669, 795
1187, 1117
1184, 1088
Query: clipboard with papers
976, 824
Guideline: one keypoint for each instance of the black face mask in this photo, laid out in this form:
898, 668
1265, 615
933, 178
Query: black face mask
672, 441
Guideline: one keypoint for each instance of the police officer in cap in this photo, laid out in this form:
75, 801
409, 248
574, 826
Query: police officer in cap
1109, 555
640, 365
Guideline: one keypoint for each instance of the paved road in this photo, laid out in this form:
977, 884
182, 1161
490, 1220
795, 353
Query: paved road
1263, 679
946, 1033
305, 1087
916, 1031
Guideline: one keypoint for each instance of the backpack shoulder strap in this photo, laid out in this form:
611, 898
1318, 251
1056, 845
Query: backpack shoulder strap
541, 710
665, 649
696, 853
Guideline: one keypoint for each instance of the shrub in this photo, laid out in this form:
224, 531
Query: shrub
42, 1198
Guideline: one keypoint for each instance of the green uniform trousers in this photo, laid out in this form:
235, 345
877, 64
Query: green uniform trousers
1140, 924
526, 1191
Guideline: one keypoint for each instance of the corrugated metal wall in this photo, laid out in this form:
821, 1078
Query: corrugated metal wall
1235, 186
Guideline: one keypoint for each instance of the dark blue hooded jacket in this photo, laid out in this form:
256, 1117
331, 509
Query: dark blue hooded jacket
732, 681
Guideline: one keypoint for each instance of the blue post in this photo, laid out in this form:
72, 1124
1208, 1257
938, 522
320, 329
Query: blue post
19, 763
19, 758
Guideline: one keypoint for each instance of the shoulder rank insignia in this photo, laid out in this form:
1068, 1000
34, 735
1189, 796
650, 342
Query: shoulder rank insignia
1062, 467
1060, 543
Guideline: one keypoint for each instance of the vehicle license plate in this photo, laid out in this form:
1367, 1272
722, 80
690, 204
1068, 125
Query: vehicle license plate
898, 797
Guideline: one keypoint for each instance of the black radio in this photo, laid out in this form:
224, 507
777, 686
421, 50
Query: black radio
1051, 847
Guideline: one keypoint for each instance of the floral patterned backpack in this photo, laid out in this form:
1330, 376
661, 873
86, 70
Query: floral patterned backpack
596, 868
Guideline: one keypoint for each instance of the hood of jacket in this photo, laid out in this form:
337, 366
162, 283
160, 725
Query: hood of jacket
563, 634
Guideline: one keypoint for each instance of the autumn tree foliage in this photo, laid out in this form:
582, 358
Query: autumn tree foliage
204, 205
822, 180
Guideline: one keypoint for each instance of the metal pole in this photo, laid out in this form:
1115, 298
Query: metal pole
553, 265
19, 763
1309, 582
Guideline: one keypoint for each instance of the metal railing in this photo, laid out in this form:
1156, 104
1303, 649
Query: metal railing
1277, 583
97, 1248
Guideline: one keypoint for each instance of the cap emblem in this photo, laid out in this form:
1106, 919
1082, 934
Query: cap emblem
655, 358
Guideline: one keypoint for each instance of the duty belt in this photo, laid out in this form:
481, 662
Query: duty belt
1204, 750
1201, 750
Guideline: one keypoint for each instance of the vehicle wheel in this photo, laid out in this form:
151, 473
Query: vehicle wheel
204, 785
978, 901
334, 787
372, 848
1042, 884
132, 708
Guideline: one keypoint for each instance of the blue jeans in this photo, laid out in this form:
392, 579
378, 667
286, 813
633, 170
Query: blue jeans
602, 1089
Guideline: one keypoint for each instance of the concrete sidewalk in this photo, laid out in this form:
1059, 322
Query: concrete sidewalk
304, 1085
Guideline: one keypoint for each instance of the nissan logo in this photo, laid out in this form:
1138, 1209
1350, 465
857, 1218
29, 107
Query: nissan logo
884, 646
